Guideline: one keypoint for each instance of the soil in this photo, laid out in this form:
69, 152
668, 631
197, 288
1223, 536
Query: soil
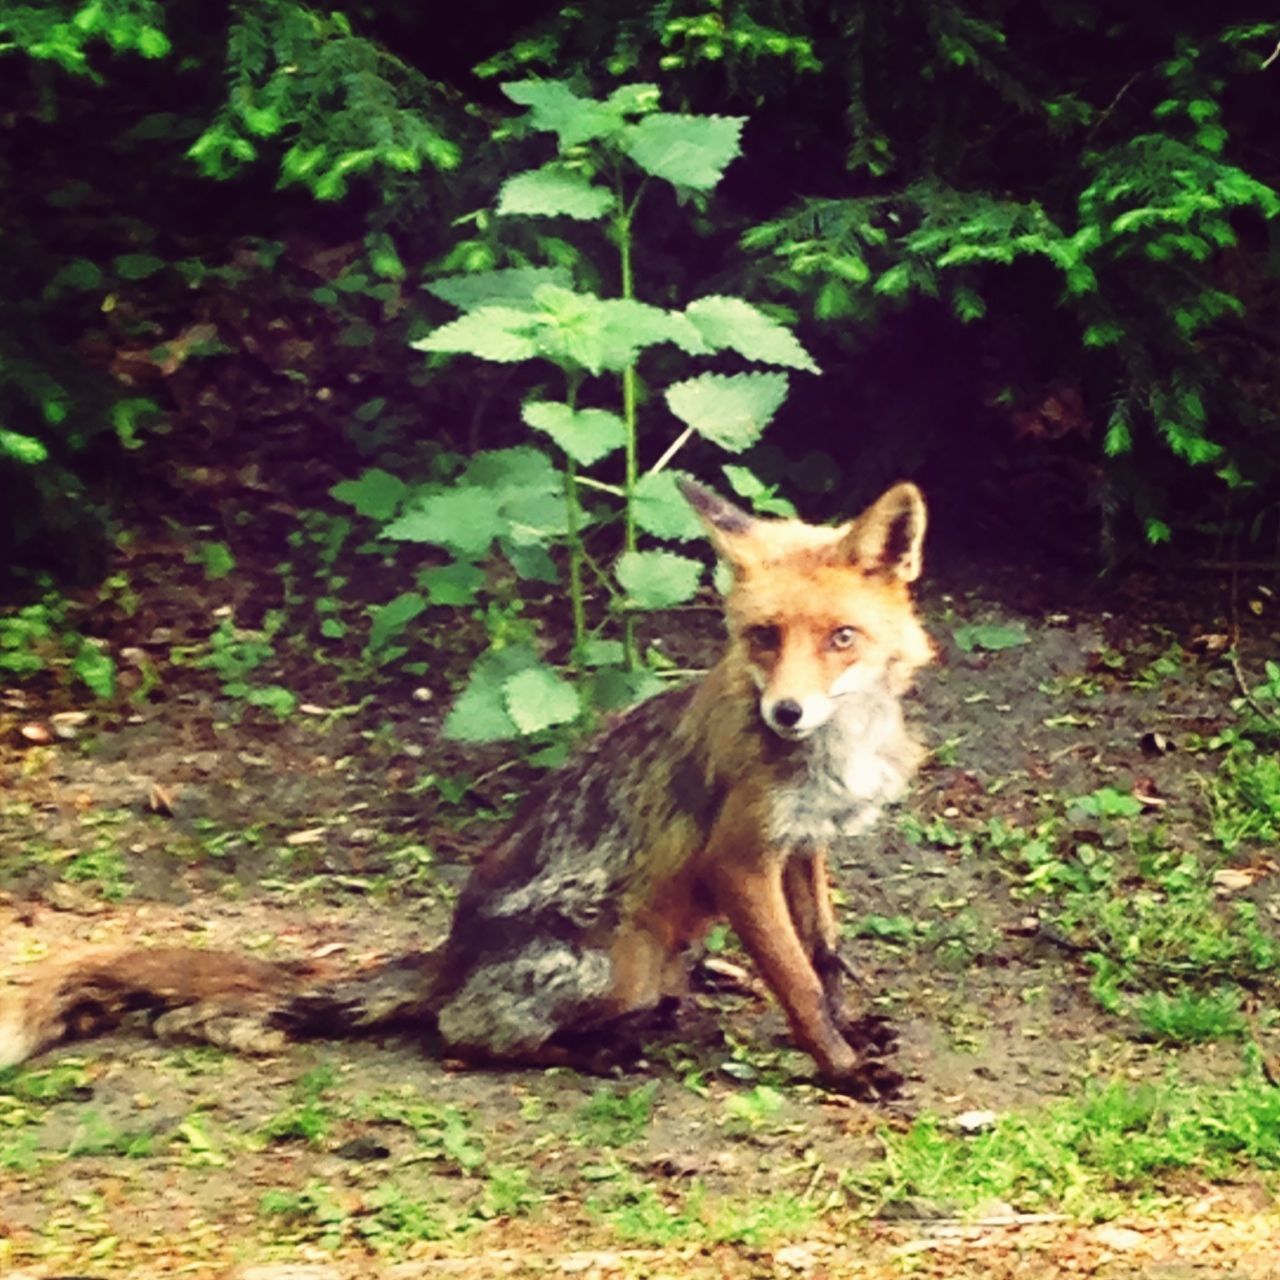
188, 816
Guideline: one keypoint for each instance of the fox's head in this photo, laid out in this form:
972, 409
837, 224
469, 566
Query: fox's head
821, 615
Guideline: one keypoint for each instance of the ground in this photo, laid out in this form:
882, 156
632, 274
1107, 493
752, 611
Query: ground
1079, 885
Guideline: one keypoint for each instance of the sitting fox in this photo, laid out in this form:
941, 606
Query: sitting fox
712, 801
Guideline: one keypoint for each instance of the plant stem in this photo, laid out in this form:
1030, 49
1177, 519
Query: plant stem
629, 397
577, 603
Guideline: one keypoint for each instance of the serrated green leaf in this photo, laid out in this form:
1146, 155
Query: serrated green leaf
598, 652
466, 520
611, 688
376, 494
586, 435
662, 510
521, 469
554, 191
137, 266
634, 99
391, 618
502, 334
452, 584
991, 636
535, 516
94, 668
605, 333
555, 108
658, 579
530, 561
216, 559
729, 410
732, 324
479, 713
509, 286
272, 697
80, 274
687, 151
540, 697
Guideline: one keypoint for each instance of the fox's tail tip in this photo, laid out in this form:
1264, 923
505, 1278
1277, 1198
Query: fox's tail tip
17, 1040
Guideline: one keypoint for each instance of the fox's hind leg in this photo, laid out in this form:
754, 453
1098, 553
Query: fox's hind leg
510, 1007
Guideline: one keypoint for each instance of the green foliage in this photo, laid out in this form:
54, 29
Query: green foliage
617, 1118
526, 503
284, 59
236, 656
1076, 1154
40, 638
990, 637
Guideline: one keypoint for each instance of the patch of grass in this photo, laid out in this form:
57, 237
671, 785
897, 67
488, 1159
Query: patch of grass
96, 1136
508, 1193
1190, 1017
1147, 914
442, 1133
1081, 1154
752, 1110
314, 1213
310, 1116
104, 867
642, 1213
755, 1223
399, 1218
1244, 797
614, 1118
65, 1081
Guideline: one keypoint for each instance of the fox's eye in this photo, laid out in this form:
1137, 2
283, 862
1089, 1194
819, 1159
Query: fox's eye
764, 639
844, 637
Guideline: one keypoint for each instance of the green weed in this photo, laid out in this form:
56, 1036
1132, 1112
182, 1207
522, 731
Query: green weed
96, 1136
753, 1109
314, 1212
614, 1118
641, 1212
310, 1116
1190, 1017
442, 1133
1077, 1155
103, 867
40, 638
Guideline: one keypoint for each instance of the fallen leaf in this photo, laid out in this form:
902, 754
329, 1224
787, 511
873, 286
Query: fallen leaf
313, 835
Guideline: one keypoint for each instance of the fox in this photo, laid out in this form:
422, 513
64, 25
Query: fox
715, 800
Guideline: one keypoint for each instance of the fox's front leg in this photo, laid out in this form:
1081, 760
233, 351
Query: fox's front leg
749, 891
808, 892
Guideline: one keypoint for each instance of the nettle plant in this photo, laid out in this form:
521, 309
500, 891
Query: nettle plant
542, 505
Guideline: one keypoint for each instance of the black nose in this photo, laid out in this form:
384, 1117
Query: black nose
787, 713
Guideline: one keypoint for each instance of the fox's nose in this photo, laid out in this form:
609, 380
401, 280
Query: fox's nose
787, 713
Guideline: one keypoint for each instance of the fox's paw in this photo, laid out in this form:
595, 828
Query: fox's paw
870, 1081
870, 1033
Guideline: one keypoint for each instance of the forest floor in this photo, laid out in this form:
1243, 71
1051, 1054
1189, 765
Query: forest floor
1071, 925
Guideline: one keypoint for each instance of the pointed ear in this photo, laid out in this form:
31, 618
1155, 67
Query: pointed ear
728, 526
886, 538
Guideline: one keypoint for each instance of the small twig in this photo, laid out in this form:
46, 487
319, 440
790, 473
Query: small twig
1274, 54
1112, 105
676, 445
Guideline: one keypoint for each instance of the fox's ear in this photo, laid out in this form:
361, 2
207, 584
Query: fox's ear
886, 538
727, 525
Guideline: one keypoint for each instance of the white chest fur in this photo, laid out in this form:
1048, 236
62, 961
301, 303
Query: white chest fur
844, 773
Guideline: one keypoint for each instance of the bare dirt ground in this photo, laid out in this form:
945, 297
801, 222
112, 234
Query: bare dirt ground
191, 818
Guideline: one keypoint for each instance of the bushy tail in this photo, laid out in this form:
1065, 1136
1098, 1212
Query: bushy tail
216, 997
